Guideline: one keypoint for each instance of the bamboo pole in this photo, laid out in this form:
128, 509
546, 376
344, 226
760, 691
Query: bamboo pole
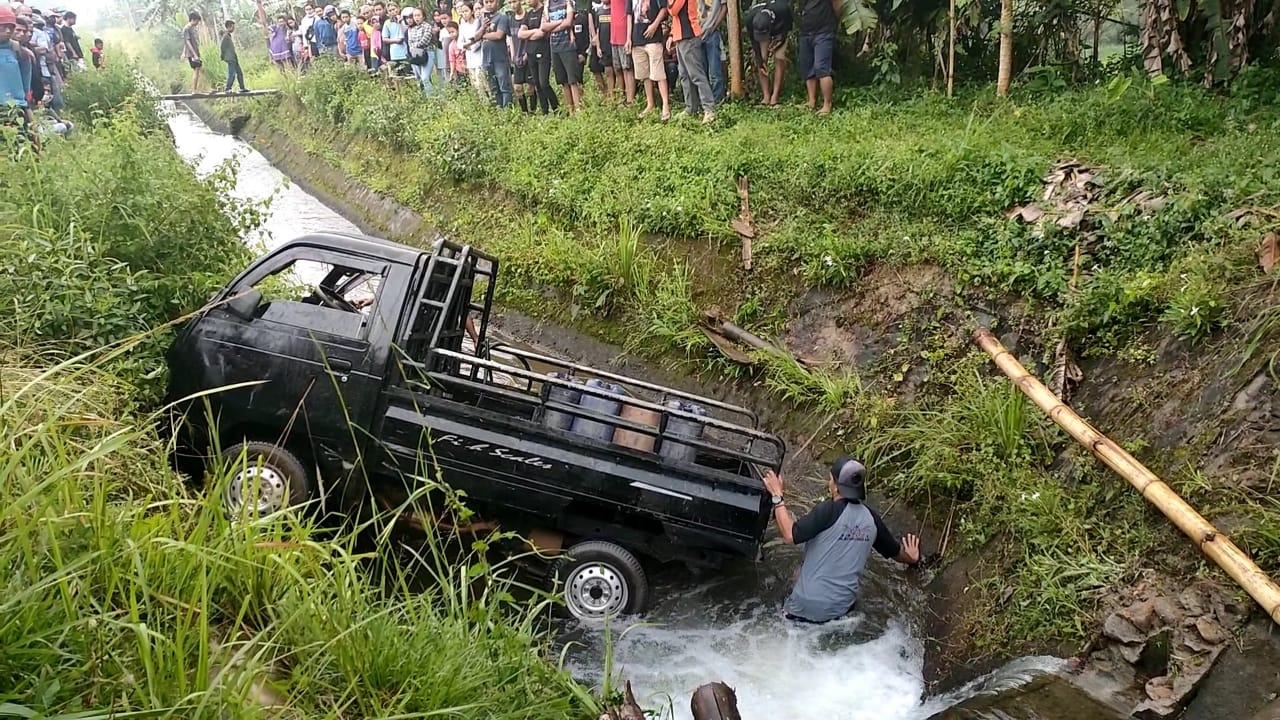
1213, 543
735, 52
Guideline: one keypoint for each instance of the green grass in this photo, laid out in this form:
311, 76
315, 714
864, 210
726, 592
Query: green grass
126, 593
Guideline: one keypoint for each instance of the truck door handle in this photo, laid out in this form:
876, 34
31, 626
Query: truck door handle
338, 365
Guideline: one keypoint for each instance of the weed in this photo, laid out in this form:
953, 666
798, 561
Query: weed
124, 593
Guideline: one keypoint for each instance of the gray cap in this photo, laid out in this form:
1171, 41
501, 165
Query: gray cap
850, 477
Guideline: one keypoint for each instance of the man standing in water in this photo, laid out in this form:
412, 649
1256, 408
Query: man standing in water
838, 536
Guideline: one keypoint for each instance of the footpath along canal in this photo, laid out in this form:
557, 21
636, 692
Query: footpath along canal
728, 626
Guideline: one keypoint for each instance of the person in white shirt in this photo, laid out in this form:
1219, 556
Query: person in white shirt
468, 30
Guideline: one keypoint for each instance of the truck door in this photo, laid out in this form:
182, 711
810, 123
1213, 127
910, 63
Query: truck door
318, 339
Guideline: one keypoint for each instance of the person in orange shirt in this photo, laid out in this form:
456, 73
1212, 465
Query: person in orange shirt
686, 35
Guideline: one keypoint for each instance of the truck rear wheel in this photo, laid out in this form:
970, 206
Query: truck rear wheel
268, 479
602, 579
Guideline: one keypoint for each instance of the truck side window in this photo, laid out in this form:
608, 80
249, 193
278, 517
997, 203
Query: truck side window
320, 296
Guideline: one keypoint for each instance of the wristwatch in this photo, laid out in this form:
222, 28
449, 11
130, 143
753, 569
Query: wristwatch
776, 500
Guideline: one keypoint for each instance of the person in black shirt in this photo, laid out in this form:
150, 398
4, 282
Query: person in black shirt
521, 76
818, 22
770, 23
70, 38
645, 41
557, 21
602, 48
538, 50
580, 31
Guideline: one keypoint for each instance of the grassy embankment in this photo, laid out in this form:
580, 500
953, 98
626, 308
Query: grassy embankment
903, 179
125, 593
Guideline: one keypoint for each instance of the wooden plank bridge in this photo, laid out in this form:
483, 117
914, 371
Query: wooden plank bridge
219, 95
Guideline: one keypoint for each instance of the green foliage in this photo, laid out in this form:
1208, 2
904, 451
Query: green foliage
111, 91
126, 594
139, 241
948, 446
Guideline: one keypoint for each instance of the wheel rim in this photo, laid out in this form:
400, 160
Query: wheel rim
261, 488
595, 591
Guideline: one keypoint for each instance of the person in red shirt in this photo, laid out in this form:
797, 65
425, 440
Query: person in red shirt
99, 59
686, 35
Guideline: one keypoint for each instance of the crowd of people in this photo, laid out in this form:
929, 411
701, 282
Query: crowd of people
38, 52
638, 51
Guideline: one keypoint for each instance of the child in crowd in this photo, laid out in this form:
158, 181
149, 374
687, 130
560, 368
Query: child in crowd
99, 58
457, 55
375, 42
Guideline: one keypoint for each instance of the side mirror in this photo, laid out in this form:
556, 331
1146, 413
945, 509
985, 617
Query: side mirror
244, 305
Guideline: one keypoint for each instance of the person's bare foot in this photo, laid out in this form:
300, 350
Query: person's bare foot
824, 112
646, 113
666, 116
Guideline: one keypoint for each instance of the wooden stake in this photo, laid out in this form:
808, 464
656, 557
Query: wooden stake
1211, 542
735, 52
951, 50
743, 224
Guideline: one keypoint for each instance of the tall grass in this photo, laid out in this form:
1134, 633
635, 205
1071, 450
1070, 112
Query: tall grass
126, 593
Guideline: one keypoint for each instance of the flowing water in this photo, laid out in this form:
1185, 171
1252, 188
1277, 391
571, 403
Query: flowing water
726, 626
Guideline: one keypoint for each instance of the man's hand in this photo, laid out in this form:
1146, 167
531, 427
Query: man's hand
773, 482
649, 31
627, 46
774, 45
910, 553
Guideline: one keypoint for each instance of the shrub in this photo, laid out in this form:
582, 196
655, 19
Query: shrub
110, 91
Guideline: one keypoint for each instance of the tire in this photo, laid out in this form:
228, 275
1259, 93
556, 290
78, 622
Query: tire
602, 579
285, 481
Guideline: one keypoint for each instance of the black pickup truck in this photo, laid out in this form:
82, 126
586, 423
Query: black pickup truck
335, 360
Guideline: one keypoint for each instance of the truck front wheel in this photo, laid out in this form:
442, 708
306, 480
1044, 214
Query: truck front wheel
602, 579
265, 478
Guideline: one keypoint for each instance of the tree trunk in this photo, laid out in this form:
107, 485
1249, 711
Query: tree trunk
951, 49
1097, 40
1006, 48
735, 52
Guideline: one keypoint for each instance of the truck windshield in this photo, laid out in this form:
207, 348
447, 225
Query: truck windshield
320, 296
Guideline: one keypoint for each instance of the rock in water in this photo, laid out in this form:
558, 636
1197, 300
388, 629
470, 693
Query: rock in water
714, 701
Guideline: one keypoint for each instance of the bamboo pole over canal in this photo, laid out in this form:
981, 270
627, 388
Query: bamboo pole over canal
1211, 542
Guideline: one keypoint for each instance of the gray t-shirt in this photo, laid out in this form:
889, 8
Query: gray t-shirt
838, 537
495, 51
191, 43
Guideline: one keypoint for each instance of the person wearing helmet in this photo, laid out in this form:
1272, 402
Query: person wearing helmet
838, 536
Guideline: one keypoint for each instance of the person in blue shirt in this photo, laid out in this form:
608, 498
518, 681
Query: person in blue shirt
325, 33
349, 47
396, 43
15, 74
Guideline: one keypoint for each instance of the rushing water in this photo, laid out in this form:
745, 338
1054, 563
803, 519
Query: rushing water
726, 626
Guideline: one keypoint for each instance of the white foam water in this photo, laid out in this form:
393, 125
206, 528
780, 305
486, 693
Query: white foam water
778, 669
